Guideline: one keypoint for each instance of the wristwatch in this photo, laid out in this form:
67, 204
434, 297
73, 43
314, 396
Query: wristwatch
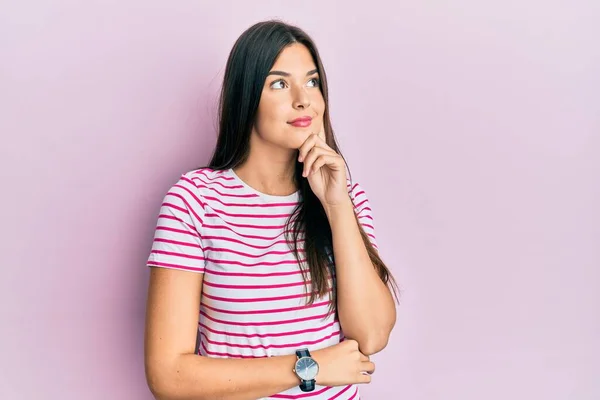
306, 369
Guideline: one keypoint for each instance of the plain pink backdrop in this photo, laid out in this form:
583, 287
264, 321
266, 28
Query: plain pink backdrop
474, 127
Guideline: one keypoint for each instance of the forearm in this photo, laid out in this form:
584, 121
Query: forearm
365, 304
196, 377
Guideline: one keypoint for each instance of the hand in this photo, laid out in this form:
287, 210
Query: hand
343, 364
325, 170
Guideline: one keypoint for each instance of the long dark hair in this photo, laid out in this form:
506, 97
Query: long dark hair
249, 62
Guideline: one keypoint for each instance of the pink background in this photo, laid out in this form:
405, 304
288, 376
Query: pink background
474, 128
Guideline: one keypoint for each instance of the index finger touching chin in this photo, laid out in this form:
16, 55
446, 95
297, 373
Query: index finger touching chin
322, 133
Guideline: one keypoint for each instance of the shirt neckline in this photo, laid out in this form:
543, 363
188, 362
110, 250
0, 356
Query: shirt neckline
291, 197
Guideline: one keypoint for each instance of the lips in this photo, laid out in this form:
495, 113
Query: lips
301, 122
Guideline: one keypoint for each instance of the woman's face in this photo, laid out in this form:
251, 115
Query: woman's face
291, 91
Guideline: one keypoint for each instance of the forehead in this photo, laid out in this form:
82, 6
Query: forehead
295, 59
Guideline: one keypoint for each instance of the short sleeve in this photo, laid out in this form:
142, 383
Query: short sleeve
362, 208
177, 240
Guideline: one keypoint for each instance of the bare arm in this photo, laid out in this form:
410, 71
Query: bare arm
365, 304
174, 371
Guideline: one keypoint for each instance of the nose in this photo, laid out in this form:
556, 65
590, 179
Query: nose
301, 99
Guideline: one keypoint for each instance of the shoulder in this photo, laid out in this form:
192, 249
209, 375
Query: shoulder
192, 186
206, 181
204, 176
212, 187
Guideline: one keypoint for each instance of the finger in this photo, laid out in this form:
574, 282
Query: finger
329, 160
312, 141
322, 141
368, 367
363, 378
311, 157
308, 144
322, 134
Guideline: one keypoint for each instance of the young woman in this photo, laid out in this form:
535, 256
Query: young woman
265, 278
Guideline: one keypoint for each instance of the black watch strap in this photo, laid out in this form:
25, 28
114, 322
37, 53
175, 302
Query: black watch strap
302, 353
307, 386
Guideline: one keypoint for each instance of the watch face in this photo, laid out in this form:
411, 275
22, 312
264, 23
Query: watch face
307, 368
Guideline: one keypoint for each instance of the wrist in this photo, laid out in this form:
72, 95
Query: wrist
341, 208
307, 369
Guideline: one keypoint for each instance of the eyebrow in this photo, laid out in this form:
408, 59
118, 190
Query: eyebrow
282, 73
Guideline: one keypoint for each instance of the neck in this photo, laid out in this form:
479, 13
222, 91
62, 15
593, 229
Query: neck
269, 170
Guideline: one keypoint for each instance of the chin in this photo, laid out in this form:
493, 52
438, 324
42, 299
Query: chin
297, 137
290, 138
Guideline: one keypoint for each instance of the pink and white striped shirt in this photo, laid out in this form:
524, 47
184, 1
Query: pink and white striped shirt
253, 301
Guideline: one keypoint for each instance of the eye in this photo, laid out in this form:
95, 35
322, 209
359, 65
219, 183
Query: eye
280, 81
316, 82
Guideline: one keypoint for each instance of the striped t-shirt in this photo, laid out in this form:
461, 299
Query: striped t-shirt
253, 301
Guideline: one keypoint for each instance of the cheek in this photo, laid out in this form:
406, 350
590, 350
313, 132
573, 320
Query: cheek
271, 120
271, 111
264, 116
318, 103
